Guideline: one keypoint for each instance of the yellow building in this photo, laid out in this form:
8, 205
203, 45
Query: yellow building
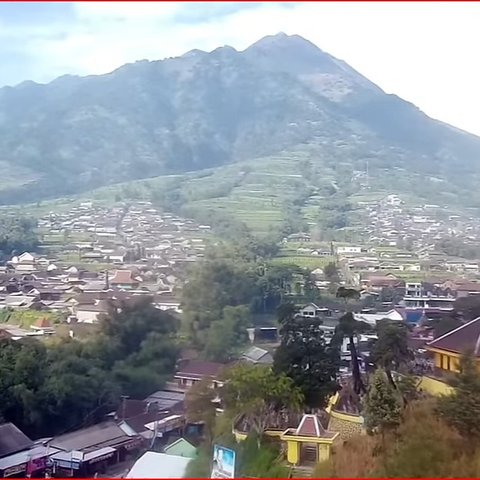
447, 350
308, 443
344, 409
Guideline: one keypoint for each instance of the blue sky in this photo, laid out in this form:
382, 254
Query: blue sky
424, 52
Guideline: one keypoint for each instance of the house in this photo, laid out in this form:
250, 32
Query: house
90, 313
193, 371
12, 440
181, 448
373, 318
117, 259
167, 301
167, 400
256, 356
15, 333
124, 279
26, 262
26, 463
310, 441
378, 282
23, 302
349, 249
312, 310
159, 465
146, 419
467, 289
43, 325
305, 439
448, 348
25, 257
90, 450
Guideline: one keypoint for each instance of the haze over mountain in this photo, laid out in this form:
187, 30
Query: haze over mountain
203, 110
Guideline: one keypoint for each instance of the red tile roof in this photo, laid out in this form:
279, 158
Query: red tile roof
43, 323
310, 426
460, 339
123, 277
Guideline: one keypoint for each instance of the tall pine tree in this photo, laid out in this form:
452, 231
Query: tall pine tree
304, 357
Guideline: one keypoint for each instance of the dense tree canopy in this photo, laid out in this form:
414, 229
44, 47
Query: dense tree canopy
259, 394
212, 286
391, 350
17, 235
304, 357
383, 404
228, 334
47, 390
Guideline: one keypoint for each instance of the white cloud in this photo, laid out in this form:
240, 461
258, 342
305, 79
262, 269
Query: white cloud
424, 52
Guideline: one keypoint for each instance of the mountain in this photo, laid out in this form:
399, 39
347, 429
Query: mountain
208, 109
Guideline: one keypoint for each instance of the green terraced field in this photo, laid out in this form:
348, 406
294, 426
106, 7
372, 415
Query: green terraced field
303, 261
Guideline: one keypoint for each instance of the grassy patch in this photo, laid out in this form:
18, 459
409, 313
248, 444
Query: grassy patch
27, 318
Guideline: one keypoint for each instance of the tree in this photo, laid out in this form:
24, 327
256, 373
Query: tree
311, 291
227, 334
259, 459
273, 282
306, 359
22, 373
390, 350
149, 368
50, 389
259, 394
389, 294
347, 294
461, 409
349, 327
331, 272
200, 407
383, 406
212, 286
17, 235
76, 393
426, 447
468, 307
129, 323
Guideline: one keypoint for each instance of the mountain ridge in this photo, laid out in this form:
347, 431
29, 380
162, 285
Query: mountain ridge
207, 109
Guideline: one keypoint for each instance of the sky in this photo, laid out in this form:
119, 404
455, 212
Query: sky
425, 52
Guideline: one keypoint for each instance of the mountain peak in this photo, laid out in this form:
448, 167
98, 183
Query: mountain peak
225, 50
282, 40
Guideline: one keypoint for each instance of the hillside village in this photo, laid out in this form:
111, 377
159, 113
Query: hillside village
400, 241
91, 255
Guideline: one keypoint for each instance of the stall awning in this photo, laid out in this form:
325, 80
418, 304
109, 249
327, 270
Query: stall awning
99, 455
